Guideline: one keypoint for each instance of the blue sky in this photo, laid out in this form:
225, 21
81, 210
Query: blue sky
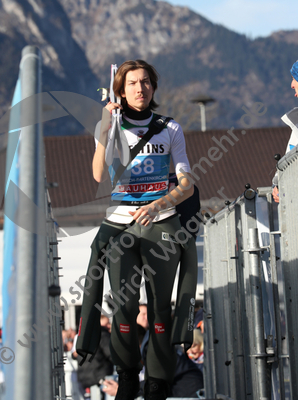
251, 17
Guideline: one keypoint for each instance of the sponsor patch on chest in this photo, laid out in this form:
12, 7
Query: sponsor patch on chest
167, 237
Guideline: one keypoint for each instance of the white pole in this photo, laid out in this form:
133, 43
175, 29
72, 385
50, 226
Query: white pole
203, 117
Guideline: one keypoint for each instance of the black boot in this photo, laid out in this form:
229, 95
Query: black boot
128, 385
156, 389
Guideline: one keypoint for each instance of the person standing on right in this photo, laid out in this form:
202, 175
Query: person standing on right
291, 119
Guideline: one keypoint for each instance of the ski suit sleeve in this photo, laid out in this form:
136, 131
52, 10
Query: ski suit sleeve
178, 148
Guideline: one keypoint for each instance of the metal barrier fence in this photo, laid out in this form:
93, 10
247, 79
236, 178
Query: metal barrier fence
251, 294
32, 313
288, 218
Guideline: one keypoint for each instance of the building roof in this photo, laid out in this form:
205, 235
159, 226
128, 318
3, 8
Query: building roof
78, 196
241, 158
220, 161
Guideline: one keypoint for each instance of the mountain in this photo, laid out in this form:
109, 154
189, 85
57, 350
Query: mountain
80, 39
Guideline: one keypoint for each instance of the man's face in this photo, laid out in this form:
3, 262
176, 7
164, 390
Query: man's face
294, 85
138, 90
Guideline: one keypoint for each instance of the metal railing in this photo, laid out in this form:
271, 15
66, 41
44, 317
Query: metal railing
235, 348
251, 293
288, 221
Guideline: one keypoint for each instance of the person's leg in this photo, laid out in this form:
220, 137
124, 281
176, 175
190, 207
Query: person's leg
124, 262
162, 254
125, 284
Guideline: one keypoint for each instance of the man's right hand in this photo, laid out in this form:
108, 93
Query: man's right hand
113, 106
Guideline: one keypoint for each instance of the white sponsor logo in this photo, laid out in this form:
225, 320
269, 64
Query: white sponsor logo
169, 238
142, 188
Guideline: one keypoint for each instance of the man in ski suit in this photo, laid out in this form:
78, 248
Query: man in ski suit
291, 119
145, 214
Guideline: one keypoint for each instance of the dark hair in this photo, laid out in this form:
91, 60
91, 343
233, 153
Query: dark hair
127, 66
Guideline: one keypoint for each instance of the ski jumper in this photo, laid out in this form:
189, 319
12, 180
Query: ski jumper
154, 249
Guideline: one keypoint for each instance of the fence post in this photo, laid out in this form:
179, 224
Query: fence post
260, 355
209, 361
54, 301
277, 308
32, 363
